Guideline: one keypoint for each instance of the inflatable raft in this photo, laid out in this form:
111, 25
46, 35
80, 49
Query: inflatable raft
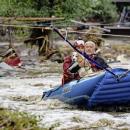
99, 90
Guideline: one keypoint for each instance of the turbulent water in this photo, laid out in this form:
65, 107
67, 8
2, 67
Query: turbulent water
21, 89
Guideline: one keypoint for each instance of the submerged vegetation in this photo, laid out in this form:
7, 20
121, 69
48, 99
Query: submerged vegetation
10, 120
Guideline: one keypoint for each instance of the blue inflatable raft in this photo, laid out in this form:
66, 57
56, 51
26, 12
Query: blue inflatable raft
100, 90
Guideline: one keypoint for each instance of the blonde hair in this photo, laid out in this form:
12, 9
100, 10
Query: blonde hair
90, 43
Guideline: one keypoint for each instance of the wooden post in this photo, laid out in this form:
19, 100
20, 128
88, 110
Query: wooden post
50, 38
10, 35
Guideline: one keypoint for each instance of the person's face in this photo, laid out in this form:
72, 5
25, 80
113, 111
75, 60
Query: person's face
90, 49
80, 47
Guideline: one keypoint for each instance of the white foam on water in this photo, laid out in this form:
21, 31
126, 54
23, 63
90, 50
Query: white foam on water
25, 95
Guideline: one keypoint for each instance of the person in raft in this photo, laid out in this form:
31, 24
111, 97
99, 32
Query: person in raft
12, 59
93, 52
73, 66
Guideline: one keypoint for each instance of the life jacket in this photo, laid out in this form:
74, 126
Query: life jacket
100, 61
14, 61
67, 75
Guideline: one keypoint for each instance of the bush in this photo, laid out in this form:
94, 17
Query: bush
11, 120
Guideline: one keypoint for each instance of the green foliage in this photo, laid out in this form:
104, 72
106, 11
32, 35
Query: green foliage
102, 9
17, 121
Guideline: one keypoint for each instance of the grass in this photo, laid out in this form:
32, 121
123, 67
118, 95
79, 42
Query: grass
11, 120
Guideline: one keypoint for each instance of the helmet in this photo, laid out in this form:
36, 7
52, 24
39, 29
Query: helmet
79, 43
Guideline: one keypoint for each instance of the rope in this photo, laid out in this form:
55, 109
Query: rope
25, 26
113, 35
49, 28
97, 24
66, 34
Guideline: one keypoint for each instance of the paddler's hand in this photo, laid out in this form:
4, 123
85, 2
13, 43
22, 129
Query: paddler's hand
82, 61
82, 72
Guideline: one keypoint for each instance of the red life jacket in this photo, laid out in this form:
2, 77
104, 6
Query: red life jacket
67, 75
15, 61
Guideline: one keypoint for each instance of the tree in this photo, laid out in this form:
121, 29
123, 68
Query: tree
103, 9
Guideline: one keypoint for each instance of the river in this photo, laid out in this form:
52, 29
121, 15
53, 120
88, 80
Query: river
21, 89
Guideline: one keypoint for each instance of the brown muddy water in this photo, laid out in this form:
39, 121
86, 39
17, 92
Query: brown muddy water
21, 89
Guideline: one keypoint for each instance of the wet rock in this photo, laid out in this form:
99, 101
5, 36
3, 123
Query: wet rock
56, 58
24, 98
39, 84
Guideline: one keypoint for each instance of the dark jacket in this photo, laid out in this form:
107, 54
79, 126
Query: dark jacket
100, 61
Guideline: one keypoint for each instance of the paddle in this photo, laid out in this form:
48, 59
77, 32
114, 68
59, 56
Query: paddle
86, 56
